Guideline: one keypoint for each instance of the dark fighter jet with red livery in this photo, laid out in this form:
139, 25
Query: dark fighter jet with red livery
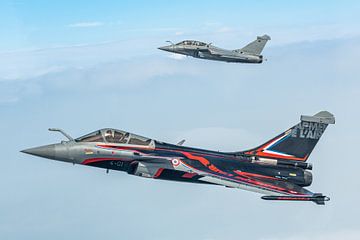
278, 168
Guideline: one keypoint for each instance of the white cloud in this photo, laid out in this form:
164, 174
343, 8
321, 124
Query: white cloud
232, 35
19, 79
72, 64
177, 56
86, 24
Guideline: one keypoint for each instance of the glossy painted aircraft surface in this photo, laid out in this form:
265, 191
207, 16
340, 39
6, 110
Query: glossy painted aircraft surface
277, 168
251, 53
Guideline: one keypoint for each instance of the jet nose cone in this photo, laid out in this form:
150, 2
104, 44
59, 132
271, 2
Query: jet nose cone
47, 151
166, 48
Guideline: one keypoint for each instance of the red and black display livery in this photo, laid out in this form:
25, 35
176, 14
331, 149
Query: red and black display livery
277, 168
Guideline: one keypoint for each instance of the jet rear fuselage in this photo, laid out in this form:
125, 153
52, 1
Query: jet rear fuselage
228, 56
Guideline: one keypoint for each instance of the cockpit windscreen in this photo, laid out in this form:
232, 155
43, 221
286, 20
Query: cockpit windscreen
110, 135
192, 42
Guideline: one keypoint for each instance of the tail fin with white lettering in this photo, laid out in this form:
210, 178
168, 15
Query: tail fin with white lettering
297, 142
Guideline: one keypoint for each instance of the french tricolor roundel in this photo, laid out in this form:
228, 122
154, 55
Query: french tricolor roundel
175, 162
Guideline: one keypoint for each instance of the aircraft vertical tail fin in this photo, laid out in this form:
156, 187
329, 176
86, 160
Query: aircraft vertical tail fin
296, 143
256, 46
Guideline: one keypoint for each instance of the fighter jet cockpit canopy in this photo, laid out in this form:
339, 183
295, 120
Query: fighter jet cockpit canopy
192, 42
110, 135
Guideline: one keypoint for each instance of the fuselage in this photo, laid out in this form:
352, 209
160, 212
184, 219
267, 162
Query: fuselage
154, 159
213, 53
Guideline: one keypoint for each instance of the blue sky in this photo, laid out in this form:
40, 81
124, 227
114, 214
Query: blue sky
44, 24
83, 66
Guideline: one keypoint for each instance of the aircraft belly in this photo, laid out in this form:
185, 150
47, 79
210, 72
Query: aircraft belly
223, 58
243, 186
179, 176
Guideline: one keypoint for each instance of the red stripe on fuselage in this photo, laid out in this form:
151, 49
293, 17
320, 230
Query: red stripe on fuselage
158, 172
205, 162
247, 174
188, 175
278, 156
134, 148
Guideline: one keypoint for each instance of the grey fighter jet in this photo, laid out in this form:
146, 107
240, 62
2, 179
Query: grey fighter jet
277, 168
251, 53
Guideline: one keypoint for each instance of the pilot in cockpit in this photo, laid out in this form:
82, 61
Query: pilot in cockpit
109, 135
